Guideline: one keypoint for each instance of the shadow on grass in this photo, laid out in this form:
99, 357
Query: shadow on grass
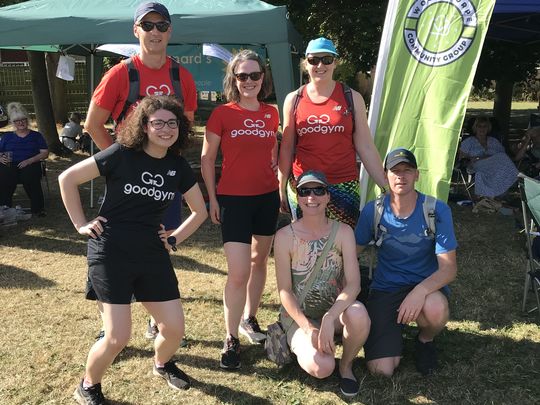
188, 264
219, 302
468, 360
15, 277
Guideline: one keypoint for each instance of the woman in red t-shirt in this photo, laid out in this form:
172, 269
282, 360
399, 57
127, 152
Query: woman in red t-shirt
246, 200
319, 128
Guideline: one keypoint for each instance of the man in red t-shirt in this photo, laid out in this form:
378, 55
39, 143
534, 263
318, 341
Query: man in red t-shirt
153, 29
152, 26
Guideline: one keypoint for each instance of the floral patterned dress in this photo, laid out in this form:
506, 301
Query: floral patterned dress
495, 173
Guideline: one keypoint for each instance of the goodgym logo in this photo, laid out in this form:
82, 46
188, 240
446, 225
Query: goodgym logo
439, 32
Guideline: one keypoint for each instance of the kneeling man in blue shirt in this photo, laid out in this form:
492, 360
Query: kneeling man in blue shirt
415, 264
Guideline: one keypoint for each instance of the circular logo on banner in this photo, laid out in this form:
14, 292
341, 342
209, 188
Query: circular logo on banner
439, 32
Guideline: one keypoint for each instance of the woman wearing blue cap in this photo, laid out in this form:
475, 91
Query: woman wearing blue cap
325, 127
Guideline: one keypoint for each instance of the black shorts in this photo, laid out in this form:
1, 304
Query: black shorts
115, 282
385, 336
245, 216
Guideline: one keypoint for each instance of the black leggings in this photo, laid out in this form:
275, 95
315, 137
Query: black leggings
29, 177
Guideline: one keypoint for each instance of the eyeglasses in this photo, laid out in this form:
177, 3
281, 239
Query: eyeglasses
21, 121
315, 60
158, 124
147, 26
306, 191
242, 77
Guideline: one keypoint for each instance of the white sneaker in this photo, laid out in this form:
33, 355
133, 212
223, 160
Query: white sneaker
250, 329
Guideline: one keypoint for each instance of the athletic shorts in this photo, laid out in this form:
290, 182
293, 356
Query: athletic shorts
121, 266
116, 282
385, 336
245, 216
344, 205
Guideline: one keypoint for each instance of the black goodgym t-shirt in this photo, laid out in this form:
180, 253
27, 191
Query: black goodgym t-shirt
140, 187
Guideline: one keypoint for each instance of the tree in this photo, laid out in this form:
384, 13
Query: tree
354, 26
506, 63
57, 88
42, 101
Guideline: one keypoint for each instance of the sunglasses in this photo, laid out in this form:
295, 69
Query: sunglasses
306, 191
158, 124
242, 77
315, 60
21, 121
147, 26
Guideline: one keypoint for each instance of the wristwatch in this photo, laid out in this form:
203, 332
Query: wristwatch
171, 240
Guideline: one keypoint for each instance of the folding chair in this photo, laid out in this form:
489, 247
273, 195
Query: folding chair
44, 179
530, 203
462, 178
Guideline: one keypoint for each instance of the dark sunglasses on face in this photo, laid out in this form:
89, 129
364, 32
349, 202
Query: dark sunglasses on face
21, 121
158, 124
306, 191
148, 26
242, 77
315, 60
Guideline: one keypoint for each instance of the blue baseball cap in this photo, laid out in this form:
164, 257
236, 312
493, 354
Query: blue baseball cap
152, 7
321, 45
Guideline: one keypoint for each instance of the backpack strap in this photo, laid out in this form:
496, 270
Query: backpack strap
378, 229
428, 208
175, 80
133, 94
347, 92
299, 95
134, 85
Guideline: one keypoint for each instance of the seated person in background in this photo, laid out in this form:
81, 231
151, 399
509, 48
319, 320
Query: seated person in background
329, 305
21, 164
71, 131
494, 172
528, 152
414, 266
3, 117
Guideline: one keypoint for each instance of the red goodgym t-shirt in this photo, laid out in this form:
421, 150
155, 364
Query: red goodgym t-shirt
325, 138
247, 141
113, 90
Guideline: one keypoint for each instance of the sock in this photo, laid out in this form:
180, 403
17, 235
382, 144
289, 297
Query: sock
86, 384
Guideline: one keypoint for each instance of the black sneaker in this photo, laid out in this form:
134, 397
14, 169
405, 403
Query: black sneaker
230, 356
175, 377
250, 328
425, 357
89, 396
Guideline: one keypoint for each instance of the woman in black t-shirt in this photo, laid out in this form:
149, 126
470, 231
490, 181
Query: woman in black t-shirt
127, 249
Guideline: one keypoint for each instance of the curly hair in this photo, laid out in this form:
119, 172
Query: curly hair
132, 134
229, 81
16, 111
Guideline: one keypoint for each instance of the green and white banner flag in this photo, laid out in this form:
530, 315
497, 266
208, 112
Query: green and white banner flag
427, 60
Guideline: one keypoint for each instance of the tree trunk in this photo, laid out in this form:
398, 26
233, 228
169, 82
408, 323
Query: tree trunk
502, 107
42, 101
57, 87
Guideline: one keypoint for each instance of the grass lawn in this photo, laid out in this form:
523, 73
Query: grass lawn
489, 353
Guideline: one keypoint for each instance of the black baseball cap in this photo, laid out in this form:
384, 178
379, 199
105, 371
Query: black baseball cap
312, 176
397, 156
152, 7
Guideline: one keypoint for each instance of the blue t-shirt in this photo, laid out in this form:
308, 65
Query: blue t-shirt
22, 148
407, 255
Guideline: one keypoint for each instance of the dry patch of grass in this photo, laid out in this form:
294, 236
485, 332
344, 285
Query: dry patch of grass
490, 352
